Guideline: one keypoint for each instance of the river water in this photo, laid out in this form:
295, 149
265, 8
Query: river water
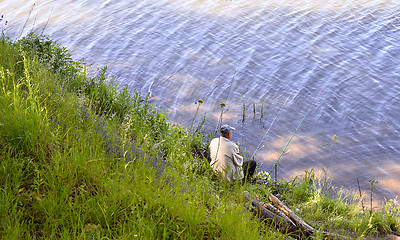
259, 53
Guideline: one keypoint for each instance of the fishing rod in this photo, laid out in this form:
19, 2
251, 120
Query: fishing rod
230, 84
269, 174
219, 123
266, 133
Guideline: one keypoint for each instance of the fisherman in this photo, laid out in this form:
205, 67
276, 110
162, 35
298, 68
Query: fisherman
226, 159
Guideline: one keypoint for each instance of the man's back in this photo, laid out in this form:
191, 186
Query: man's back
225, 158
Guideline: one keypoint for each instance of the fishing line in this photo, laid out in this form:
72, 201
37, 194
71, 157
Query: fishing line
269, 174
219, 123
266, 133
230, 84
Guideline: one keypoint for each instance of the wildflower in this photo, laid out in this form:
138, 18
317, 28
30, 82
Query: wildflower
200, 101
334, 138
223, 104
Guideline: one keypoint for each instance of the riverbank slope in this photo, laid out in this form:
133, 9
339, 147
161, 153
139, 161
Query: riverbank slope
81, 158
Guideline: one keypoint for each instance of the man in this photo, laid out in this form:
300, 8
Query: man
226, 159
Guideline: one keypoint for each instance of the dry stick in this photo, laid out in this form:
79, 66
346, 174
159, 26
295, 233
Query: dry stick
306, 229
283, 224
362, 200
274, 210
300, 223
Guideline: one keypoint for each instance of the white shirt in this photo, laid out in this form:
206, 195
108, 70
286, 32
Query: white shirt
225, 158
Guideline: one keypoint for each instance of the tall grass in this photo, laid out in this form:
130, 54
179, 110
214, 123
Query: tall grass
82, 158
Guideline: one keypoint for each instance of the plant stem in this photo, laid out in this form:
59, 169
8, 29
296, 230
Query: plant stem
244, 110
262, 108
254, 109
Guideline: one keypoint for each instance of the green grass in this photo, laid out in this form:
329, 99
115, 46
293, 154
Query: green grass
82, 158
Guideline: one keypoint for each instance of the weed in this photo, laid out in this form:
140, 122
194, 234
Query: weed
372, 181
243, 110
219, 123
198, 103
334, 140
254, 109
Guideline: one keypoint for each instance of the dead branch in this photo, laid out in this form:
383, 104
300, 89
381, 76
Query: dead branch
282, 223
305, 228
298, 221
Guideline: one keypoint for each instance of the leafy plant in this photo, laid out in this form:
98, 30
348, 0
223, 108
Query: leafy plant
372, 181
334, 140
55, 56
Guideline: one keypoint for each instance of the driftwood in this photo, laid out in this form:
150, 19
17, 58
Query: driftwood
289, 222
307, 229
282, 223
274, 210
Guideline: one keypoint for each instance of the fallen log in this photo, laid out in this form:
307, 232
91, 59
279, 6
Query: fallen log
282, 223
298, 221
274, 210
302, 225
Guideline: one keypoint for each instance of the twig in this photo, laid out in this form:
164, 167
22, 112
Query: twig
362, 200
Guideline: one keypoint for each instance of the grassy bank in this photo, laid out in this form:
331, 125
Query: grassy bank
81, 158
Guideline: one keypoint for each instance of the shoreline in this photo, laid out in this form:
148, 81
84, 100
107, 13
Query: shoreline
83, 158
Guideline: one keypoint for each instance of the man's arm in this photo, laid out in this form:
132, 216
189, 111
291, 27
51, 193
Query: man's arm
237, 157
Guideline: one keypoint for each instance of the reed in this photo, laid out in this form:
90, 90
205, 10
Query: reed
262, 109
198, 103
334, 140
254, 109
219, 123
243, 110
